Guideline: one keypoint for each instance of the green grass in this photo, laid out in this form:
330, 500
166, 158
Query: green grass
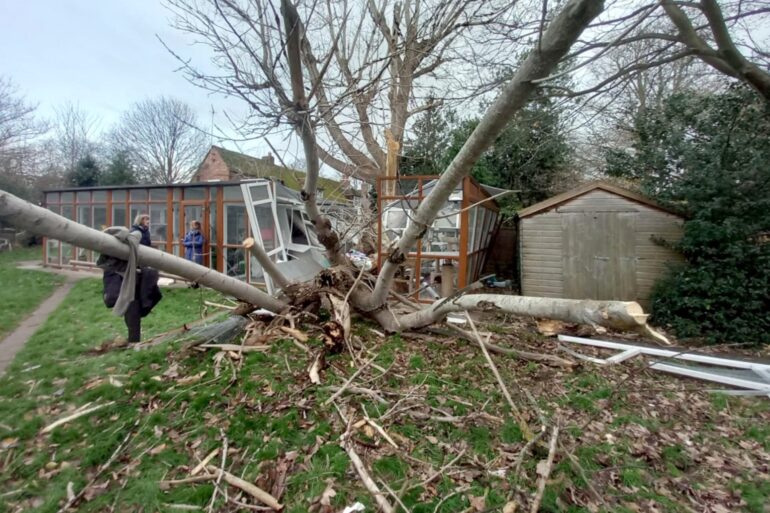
270, 414
22, 290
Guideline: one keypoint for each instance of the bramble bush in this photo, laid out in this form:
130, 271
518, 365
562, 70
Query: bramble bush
708, 156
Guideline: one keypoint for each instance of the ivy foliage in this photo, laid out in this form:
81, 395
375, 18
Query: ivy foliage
708, 155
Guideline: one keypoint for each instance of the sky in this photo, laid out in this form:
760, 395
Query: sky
104, 55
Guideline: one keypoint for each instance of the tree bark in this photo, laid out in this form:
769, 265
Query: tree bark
40, 221
561, 34
616, 315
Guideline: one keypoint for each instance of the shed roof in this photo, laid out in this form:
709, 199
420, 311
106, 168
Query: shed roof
564, 197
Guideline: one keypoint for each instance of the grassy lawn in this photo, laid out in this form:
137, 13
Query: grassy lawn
631, 440
22, 290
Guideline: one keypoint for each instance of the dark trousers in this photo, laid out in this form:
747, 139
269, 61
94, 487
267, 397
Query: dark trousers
133, 318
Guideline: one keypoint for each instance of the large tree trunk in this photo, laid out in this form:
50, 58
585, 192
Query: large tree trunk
40, 221
620, 315
562, 32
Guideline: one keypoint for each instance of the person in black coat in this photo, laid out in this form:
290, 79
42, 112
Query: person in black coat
142, 224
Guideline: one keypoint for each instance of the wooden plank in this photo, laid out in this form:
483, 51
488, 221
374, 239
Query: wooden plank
576, 255
542, 291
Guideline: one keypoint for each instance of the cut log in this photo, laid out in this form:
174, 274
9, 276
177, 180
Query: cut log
617, 315
25, 216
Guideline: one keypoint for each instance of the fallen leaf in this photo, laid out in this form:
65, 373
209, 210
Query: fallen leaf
158, 449
478, 503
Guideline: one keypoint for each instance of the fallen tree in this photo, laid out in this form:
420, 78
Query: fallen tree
369, 296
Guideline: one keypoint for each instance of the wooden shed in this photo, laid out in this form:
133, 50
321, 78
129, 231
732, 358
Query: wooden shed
597, 241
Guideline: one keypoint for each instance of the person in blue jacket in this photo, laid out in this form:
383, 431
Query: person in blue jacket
193, 243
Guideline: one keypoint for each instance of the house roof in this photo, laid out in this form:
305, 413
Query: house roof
252, 167
564, 197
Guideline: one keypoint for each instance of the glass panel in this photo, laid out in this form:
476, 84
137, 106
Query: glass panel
52, 251
235, 224
52, 197
232, 193
235, 263
481, 233
157, 194
54, 208
135, 211
119, 195
213, 235
67, 211
84, 197
119, 215
67, 197
177, 194
158, 222
100, 217
259, 192
139, 194
175, 222
266, 226
66, 253
99, 196
296, 228
84, 255
471, 227
194, 193
84, 215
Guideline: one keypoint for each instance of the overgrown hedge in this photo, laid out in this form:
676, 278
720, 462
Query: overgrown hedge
709, 156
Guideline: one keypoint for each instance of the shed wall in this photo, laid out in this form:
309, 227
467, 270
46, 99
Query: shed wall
544, 251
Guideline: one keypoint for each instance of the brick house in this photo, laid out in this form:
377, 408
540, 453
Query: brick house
225, 165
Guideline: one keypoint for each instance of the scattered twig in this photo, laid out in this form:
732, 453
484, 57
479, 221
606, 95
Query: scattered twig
222, 469
198, 468
235, 347
522, 423
440, 472
315, 369
544, 470
362, 391
253, 490
363, 474
187, 480
73, 499
349, 381
525, 450
217, 305
74, 416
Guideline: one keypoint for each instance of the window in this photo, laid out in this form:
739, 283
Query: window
139, 195
67, 197
52, 197
119, 215
100, 196
84, 215
158, 222
195, 193
235, 224
100, 217
157, 194
84, 197
118, 196
232, 193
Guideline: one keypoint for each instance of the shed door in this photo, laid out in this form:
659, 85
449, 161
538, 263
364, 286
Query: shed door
599, 255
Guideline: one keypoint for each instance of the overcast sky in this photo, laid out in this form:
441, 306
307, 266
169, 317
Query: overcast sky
103, 55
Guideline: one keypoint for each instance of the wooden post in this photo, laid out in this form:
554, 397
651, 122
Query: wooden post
391, 163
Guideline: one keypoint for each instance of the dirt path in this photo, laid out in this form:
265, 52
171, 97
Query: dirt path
13, 343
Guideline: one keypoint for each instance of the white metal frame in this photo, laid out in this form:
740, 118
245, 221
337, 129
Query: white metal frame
762, 370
